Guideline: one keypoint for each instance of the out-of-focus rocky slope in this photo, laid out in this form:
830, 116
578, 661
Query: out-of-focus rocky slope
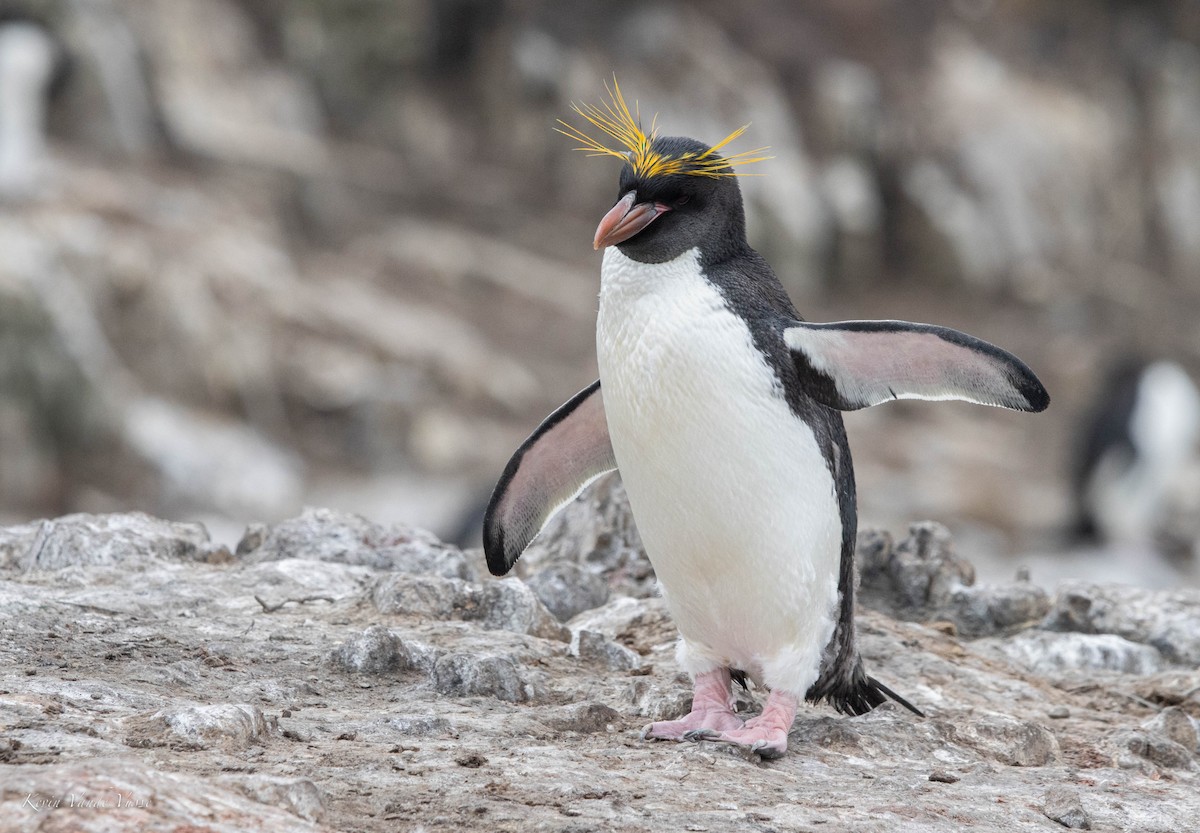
337, 674
334, 253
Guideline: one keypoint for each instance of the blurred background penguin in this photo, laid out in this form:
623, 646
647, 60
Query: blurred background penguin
1137, 474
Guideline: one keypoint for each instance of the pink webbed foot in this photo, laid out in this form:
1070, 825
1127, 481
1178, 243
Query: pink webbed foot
711, 712
765, 735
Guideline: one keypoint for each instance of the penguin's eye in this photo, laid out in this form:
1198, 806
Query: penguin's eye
682, 200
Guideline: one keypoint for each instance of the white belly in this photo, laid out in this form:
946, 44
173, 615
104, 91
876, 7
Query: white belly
732, 496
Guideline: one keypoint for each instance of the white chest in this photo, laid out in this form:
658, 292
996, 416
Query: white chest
730, 492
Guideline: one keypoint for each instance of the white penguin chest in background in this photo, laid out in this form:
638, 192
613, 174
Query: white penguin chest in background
730, 492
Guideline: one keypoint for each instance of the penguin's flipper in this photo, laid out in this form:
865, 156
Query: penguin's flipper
855, 364
568, 451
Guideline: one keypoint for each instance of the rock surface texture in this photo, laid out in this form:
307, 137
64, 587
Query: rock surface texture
335, 674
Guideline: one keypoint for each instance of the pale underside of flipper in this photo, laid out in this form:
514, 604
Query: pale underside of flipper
855, 364
568, 451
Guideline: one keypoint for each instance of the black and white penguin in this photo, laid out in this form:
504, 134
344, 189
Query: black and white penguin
720, 407
1140, 437
33, 68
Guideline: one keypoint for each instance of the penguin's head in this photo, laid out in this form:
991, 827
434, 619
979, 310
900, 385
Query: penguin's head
675, 193
658, 217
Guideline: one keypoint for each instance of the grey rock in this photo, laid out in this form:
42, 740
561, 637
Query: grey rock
1011, 742
587, 718
1175, 725
1163, 619
254, 536
923, 579
597, 531
274, 692
873, 552
298, 796
298, 584
441, 560
422, 596
832, 733
915, 576
621, 613
1058, 713
659, 700
1063, 806
591, 646
1050, 652
567, 589
82, 539
153, 798
221, 724
640, 623
420, 725
374, 651
1152, 747
924, 568
462, 674
16, 543
185, 672
346, 538
982, 610
509, 604
422, 656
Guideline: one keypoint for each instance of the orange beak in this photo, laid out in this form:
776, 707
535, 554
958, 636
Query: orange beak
625, 219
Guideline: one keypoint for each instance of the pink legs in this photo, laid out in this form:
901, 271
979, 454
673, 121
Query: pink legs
766, 734
711, 710
712, 718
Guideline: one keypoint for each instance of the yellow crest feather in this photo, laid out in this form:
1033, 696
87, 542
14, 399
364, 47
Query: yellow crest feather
614, 118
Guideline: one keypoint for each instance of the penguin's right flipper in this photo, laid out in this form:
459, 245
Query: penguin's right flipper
855, 364
568, 451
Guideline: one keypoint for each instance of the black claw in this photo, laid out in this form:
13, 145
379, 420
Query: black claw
895, 697
767, 753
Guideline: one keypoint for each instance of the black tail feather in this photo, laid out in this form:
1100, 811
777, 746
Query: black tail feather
880, 687
855, 693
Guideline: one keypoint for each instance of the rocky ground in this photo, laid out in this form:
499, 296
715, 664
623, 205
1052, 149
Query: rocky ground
335, 674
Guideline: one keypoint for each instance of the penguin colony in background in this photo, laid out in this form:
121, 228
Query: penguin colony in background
721, 407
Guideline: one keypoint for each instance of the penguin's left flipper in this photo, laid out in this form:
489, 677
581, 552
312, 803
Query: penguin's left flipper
568, 451
855, 364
